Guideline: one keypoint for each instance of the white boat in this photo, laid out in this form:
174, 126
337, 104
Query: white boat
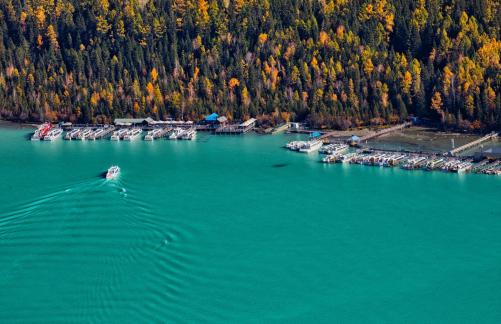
176, 132
133, 134
53, 134
333, 148
100, 132
345, 158
84, 134
72, 134
36, 136
41, 131
113, 172
311, 146
190, 134
152, 134
119, 134
331, 158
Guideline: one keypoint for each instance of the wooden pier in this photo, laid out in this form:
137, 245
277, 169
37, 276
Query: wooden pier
281, 128
462, 148
373, 134
385, 131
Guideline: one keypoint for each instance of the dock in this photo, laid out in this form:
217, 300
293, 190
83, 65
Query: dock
462, 148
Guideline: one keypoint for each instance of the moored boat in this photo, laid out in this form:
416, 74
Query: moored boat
41, 131
53, 134
189, 134
311, 146
133, 134
84, 134
175, 133
119, 134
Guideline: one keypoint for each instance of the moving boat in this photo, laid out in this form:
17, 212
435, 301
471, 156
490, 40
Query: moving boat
113, 172
133, 134
53, 134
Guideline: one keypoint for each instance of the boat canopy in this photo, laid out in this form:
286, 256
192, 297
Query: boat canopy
315, 134
355, 138
212, 117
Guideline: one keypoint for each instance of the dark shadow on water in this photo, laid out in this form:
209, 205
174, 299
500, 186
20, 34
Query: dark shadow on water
280, 165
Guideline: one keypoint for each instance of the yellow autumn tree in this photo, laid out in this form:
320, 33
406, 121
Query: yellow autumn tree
202, 17
263, 38
407, 82
52, 36
154, 74
368, 66
436, 101
233, 83
40, 16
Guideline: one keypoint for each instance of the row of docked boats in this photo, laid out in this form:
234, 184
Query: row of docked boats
182, 134
49, 133
88, 133
415, 162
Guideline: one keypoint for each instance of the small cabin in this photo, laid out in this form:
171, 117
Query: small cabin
354, 140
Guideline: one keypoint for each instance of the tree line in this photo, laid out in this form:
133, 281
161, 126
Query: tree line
332, 63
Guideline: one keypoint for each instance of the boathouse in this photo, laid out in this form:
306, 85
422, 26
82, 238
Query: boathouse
131, 121
247, 125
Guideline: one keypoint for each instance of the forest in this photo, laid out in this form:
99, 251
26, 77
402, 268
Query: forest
331, 63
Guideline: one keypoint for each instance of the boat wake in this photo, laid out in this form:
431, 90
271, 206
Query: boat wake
99, 236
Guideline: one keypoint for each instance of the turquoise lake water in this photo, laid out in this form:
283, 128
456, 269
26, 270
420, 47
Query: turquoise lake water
239, 230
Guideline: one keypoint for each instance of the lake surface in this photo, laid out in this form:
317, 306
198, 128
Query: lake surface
238, 230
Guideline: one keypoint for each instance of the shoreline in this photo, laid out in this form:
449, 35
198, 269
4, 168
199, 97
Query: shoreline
18, 125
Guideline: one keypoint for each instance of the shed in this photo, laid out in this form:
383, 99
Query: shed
212, 118
354, 140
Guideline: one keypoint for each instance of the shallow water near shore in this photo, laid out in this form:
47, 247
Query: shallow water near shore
229, 229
